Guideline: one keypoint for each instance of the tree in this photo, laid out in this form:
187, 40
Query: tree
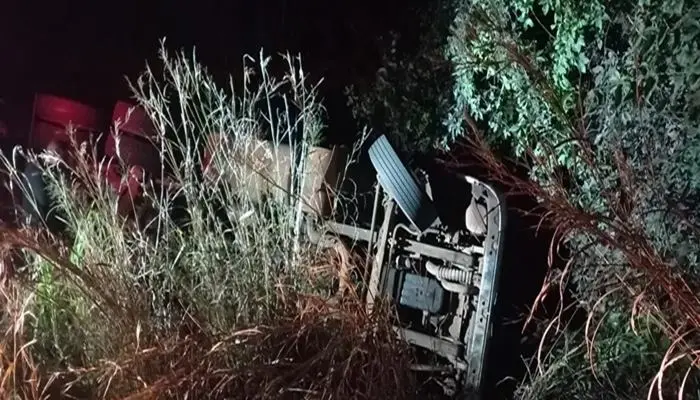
600, 99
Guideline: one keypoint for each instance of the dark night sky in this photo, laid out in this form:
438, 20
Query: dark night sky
83, 49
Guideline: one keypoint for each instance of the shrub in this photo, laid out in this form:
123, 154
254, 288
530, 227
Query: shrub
411, 93
598, 101
602, 107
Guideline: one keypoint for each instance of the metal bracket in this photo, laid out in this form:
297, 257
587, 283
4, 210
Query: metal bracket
477, 339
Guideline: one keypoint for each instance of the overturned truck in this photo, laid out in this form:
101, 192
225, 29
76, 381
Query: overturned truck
442, 280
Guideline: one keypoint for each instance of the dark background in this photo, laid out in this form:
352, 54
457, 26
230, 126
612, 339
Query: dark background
83, 50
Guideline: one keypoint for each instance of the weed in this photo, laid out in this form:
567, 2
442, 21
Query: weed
210, 288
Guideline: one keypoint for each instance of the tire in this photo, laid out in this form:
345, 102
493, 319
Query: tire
401, 185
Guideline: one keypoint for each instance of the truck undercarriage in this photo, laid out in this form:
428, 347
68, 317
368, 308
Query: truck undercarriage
443, 282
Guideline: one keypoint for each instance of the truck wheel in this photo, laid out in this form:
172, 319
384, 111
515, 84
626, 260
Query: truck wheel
401, 185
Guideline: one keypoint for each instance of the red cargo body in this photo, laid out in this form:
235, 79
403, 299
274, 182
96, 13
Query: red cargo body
53, 115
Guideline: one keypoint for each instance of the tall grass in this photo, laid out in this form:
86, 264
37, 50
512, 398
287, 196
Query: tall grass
209, 291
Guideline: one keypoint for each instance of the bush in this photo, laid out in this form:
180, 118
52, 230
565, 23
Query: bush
599, 102
411, 93
612, 367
